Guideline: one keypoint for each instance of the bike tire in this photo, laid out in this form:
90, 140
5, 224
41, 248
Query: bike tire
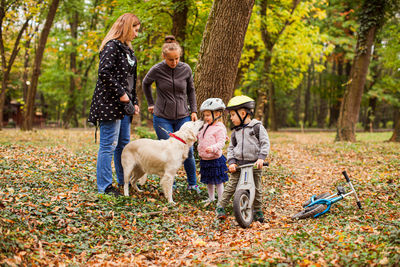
243, 213
309, 212
323, 195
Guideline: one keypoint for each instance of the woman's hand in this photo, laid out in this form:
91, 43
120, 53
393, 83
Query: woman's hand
124, 98
194, 116
151, 109
137, 110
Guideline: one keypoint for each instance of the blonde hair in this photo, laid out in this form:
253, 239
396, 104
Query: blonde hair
121, 29
168, 47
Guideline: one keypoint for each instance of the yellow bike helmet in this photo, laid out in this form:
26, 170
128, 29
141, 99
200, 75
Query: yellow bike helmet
241, 101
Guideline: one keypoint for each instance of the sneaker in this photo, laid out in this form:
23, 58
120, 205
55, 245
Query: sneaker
208, 200
259, 216
194, 188
221, 214
110, 190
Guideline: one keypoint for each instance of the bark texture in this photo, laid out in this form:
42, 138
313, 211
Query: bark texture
30, 101
371, 19
221, 49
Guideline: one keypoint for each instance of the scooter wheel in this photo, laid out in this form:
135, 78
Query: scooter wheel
309, 212
323, 195
243, 212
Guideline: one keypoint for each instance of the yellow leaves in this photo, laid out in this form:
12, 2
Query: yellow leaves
199, 243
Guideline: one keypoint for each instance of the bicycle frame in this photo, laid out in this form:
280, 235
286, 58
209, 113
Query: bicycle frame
332, 199
246, 181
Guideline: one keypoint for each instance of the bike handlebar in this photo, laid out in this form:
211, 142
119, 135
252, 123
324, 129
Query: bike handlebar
251, 164
346, 176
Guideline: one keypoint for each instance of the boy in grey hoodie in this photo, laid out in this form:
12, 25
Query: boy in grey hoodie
249, 143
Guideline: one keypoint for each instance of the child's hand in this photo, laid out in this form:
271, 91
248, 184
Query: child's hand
209, 149
232, 168
259, 164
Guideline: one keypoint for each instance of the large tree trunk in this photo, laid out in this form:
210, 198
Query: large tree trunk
221, 48
29, 107
350, 107
71, 111
396, 131
179, 21
371, 18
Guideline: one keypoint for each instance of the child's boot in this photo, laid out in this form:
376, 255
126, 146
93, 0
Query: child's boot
221, 214
259, 216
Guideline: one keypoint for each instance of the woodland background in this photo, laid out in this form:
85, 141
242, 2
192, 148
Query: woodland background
296, 58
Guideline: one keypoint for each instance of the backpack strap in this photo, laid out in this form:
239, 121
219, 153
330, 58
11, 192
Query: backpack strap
256, 129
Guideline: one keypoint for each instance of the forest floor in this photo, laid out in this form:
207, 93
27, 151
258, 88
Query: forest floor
51, 214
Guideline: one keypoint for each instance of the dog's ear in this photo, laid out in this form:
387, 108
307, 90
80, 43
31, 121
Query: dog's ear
188, 135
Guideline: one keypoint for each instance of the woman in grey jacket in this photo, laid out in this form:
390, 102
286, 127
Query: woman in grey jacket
175, 102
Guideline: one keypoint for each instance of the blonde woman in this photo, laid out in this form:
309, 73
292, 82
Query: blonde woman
175, 92
114, 99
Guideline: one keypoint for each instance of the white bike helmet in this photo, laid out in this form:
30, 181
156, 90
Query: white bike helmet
212, 104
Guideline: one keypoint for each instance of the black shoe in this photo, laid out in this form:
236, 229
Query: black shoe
259, 216
110, 190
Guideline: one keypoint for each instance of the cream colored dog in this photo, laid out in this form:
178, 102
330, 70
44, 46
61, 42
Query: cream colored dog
160, 157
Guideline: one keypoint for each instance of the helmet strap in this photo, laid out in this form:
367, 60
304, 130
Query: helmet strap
240, 117
214, 119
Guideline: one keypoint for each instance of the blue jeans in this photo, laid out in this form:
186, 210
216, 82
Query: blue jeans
173, 126
114, 136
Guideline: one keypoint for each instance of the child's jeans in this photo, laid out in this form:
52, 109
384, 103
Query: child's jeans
231, 188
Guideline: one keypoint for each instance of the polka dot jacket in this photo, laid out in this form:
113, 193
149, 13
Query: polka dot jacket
117, 76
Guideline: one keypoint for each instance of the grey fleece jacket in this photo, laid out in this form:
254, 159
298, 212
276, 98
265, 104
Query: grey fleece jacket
174, 90
244, 146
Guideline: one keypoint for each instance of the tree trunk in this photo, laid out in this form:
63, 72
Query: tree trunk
29, 106
6, 66
371, 18
396, 131
179, 22
273, 126
71, 111
350, 107
269, 40
221, 48
307, 97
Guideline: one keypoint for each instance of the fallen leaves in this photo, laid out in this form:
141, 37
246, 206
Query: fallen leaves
50, 212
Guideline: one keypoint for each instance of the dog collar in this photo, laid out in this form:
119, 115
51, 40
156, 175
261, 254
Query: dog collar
176, 137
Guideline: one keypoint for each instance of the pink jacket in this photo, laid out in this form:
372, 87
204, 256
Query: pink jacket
214, 138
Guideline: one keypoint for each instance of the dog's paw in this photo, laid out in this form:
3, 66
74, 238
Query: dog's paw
172, 203
137, 189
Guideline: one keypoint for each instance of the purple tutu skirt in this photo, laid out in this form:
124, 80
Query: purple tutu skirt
214, 171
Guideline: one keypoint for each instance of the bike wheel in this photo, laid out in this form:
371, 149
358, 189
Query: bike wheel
309, 212
323, 195
241, 208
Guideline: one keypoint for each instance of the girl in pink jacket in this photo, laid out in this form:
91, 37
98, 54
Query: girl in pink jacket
211, 140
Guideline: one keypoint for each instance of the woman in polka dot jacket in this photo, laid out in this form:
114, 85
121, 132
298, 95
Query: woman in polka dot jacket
114, 99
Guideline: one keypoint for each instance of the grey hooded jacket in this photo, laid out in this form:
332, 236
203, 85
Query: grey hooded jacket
245, 147
175, 90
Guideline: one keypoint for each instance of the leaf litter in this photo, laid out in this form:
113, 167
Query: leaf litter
50, 213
